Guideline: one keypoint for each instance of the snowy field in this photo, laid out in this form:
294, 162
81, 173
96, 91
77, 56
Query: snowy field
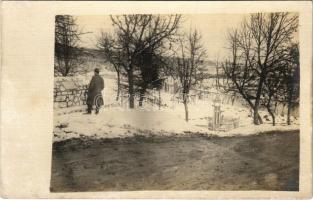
116, 121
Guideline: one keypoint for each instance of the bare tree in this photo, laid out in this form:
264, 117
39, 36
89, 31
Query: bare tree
67, 51
256, 49
217, 81
106, 45
135, 35
291, 76
188, 61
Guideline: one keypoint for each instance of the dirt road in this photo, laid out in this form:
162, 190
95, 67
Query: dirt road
269, 161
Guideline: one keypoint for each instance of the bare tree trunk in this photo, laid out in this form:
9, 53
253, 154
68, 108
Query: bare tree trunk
272, 114
186, 111
256, 116
275, 109
185, 100
131, 89
289, 107
118, 85
273, 118
288, 113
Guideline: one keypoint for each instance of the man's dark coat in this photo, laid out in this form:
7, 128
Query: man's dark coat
94, 91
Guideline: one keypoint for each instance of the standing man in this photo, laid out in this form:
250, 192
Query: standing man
94, 92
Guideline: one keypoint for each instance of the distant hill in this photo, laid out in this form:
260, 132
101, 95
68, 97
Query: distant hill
96, 56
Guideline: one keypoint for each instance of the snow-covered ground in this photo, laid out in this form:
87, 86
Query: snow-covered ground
114, 122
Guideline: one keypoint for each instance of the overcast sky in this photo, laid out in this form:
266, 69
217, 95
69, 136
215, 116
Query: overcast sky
213, 28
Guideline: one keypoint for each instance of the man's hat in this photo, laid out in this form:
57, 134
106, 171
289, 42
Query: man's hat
97, 70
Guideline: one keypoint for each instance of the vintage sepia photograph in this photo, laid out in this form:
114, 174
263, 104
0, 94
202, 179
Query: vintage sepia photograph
150, 102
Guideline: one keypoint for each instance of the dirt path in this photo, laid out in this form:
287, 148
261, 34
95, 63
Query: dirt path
268, 161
